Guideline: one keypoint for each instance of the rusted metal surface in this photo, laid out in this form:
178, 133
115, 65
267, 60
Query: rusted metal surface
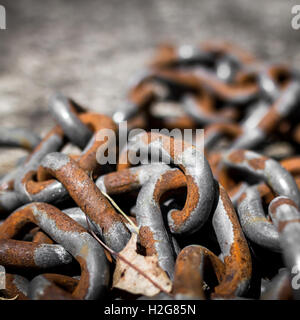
17, 285
266, 169
49, 287
75, 239
222, 221
234, 248
279, 288
199, 180
254, 221
88, 197
189, 271
152, 233
20, 254
286, 217
15, 137
65, 113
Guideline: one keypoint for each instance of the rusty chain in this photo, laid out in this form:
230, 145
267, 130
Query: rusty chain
227, 230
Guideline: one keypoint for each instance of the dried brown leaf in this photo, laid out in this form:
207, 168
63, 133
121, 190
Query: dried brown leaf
127, 278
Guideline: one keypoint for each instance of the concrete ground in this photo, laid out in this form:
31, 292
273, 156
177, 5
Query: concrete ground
89, 49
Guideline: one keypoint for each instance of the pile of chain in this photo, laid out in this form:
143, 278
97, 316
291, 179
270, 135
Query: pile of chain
230, 230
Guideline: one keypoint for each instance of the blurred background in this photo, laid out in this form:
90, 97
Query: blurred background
89, 49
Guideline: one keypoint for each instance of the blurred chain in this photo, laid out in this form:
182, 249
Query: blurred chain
228, 229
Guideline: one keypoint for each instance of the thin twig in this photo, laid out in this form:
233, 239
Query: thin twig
122, 212
117, 207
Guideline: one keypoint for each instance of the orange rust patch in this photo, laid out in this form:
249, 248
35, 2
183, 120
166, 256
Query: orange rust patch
84, 282
32, 186
12, 226
147, 240
179, 217
214, 159
86, 194
62, 221
238, 267
84, 251
292, 165
169, 181
41, 237
120, 181
258, 164
67, 283
12, 289
188, 278
165, 56
229, 129
88, 160
280, 202
296, 134
53, 292
142, 94
190, 263
237, 156
26, 144
184, 122
269, 121
19, 254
